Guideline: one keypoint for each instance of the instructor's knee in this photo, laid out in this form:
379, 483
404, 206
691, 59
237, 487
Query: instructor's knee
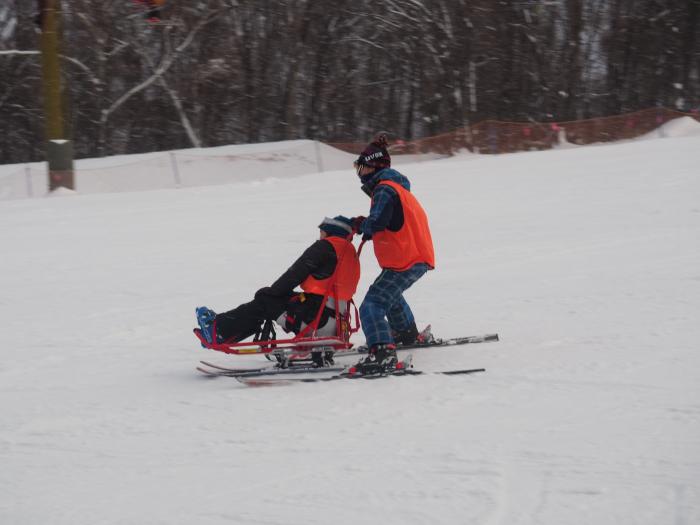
369, 308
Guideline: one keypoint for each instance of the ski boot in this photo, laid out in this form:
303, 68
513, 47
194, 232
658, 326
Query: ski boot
411, 336
406, 337
381, 359
426, 337
205, 320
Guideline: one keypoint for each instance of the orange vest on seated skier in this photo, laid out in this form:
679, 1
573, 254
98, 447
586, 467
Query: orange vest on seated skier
410, 245
346, 274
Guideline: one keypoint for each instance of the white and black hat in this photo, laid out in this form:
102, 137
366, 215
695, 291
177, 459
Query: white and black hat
339, 225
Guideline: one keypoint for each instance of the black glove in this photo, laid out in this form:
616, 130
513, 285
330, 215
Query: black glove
366, 236
357, 223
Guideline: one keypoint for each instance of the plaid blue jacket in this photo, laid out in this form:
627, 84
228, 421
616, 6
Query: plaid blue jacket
385, 203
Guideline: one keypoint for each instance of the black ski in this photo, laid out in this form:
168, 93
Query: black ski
403, 368
455, 341
269, 381
305, 365
269, 371
219, 368
214, 369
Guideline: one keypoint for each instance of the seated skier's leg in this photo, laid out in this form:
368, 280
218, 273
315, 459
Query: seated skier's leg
245, 320
240, 323
302, 310
291, 318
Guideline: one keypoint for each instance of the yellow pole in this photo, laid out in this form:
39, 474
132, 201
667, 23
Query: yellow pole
59, 151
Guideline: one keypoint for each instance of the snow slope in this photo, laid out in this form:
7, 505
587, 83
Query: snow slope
586, 261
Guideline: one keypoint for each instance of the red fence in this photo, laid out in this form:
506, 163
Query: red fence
493, 136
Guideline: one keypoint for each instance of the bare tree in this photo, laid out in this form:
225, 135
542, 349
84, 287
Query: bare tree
226, 71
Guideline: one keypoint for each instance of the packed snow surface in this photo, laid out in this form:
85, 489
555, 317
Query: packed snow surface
586, 261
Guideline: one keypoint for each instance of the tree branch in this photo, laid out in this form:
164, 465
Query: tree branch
72, 60
160, 70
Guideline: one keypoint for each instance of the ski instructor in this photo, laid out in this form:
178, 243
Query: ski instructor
398, 227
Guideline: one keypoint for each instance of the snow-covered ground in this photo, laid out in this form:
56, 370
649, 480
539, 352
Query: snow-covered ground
586, 261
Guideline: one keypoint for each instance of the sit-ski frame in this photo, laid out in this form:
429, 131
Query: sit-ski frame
305, 342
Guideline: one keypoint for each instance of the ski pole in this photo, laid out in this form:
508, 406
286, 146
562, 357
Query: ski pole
359, 249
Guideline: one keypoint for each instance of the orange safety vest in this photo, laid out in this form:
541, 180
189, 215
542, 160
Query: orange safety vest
345, 276
410, 245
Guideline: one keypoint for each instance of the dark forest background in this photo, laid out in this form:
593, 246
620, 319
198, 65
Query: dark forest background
236, 71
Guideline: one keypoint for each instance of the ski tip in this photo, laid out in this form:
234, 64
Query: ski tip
207, 373
462, 372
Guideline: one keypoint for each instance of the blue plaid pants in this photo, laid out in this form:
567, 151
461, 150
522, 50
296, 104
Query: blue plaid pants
384, 309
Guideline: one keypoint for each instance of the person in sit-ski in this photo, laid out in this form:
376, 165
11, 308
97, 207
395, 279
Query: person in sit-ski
398, 227
330, 259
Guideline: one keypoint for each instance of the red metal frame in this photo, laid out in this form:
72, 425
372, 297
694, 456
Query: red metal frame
300, 345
